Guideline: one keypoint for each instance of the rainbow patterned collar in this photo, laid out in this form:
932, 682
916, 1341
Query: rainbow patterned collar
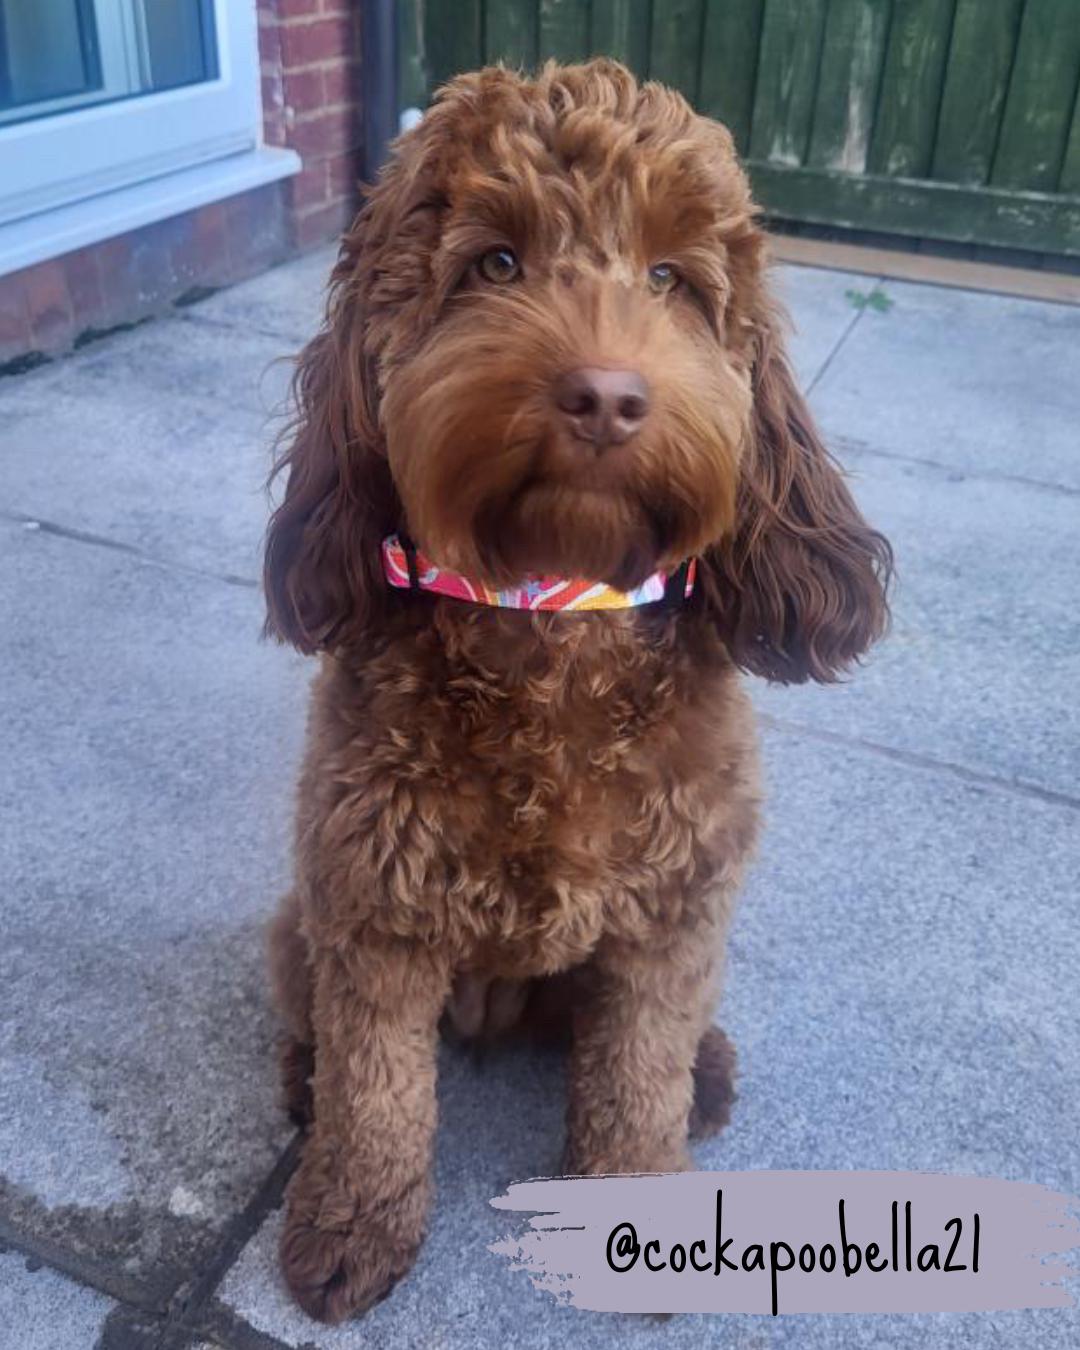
407, 569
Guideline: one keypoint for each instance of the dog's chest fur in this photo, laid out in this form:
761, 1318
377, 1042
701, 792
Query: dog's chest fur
520, 785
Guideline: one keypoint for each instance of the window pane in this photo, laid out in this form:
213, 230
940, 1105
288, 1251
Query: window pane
56, 55
44, 50
179, 42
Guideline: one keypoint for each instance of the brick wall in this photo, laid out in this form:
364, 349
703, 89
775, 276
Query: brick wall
68, 301
309, 54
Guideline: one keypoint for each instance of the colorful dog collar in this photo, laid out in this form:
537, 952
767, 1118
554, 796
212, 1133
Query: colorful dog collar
407, 569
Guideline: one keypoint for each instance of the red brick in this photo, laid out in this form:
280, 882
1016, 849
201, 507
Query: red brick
83, 274
303, 90
323, 224
341, 83
15, 338
310, 188
270, 55
273, 96
51, 320
303, 44
152, 264
201, 256
172, 260
257, 230
297, 9
208, 262
326, 134
343, 176
118, 283
270, 44
273, 104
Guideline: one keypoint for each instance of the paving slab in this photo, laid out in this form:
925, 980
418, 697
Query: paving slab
150, 753
178, 359
882, 1020
150, 748
132, 440
980, 383
40, 1310
983, 662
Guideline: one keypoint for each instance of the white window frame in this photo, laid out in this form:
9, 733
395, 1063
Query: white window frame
54, 160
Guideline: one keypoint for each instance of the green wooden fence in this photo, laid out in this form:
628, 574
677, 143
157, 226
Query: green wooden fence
950, 119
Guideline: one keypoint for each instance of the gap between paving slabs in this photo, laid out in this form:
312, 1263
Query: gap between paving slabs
191, 1312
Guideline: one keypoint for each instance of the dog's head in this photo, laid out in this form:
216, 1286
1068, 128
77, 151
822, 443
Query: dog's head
549, 349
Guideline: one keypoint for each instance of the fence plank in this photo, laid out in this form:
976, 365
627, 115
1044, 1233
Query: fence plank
620, 28
510, 32
976, 80
1070, 170
412, 57
729, 62
791, 35
1039, 106
453, 39
852, 57
903, 139
675, 49
564, 29
975, 215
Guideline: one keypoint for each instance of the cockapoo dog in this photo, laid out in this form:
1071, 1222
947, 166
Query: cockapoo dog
551, 488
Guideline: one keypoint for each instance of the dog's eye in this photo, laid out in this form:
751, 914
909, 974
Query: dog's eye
662, 278
499, 265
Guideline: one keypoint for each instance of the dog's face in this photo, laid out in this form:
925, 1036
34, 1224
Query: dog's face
573, 396
549, 350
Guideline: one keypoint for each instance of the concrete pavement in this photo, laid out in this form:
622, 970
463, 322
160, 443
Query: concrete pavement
903, 988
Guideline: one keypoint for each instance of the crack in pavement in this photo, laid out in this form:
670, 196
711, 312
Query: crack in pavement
184, 1316
67, 532
914, 760
952, 471
840, 342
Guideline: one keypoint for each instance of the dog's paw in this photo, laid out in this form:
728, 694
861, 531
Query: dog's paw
342, 1251
337, 1273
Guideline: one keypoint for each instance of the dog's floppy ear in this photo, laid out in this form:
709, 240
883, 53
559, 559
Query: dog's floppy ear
798, 589
322, 559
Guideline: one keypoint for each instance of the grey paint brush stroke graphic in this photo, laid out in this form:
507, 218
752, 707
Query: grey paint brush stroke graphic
743, 1241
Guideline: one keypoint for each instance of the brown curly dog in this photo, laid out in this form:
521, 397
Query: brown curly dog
548, 349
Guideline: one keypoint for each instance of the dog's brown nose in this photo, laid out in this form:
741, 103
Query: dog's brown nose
605, 407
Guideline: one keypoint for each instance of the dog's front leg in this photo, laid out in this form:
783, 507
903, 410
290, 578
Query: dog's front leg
358, 1203
631, 1067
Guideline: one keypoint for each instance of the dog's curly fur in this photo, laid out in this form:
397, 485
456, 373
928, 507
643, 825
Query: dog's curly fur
506, 815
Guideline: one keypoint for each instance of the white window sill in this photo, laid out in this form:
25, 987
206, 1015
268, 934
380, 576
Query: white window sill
52, 233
